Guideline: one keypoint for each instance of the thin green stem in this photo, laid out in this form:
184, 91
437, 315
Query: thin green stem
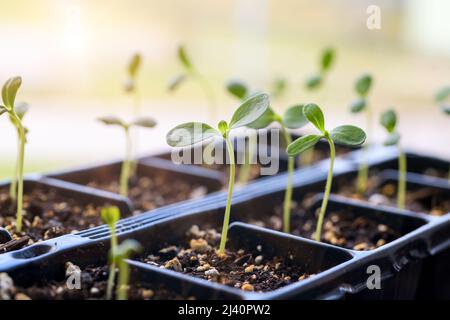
126, 165
226, 219
124, 275
112, 267
323, 208
245, 169
20, 165
13, 186
288, 193
401, 192
135, 148
363, 172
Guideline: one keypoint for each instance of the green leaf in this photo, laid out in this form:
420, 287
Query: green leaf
392, 139
313, 82
279, 87
176, 81
348, 135
189, 133
250, 110
302, 144
442, 94
264, 121
145, 122
294, 117
363, 84
446, 109
238, 89
223, 127
112, 121
134, 64
358, 105
389, 120
315, 116
182, 56
126, 249
9, 91
21, 109
327, 59
110, 215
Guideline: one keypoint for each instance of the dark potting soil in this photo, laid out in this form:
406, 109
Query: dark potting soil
341, 228
93, 286
46, 215
248, 270
149, 193
443, 174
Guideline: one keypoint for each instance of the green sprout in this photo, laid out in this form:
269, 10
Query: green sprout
314, 83
143, 122
442, 98
190, 133
190, 72
123, 252
347, 135
16, 114
130, 85
362, 88
389, 121
110, 216
279, 87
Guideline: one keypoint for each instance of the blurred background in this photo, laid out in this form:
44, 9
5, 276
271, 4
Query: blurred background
73, 55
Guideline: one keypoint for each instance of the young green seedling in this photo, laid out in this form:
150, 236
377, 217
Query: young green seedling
190, 133
143, 122
347, 135
362, 88
21, 109
293, 118
9, 92
442, 98
110, 216
130, 84
314, 83
123, 252
389, 121
190, 72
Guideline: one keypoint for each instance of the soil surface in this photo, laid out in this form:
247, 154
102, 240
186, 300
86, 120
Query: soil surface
443, 174
46, 215
248, 270
149, 193
93, 286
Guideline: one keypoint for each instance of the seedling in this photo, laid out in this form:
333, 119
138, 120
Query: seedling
314, 83
143, 122
190, 133
21, 109
389, 122
362, 88
190, 72
110, 216
130, 84
9, 92
346, 135
123, 252
293, 118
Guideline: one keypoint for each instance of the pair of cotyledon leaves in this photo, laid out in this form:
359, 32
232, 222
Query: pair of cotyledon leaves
144, 122
389, 121
187, 65
326, 61
362, 88
256, 113
9, 92
346, 135
240, 90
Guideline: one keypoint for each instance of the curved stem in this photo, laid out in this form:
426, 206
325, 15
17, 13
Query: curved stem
288, 193
126, 165
363, 172
20, 164
401, 192
13, 186
226, 219
112, 267
323, 208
